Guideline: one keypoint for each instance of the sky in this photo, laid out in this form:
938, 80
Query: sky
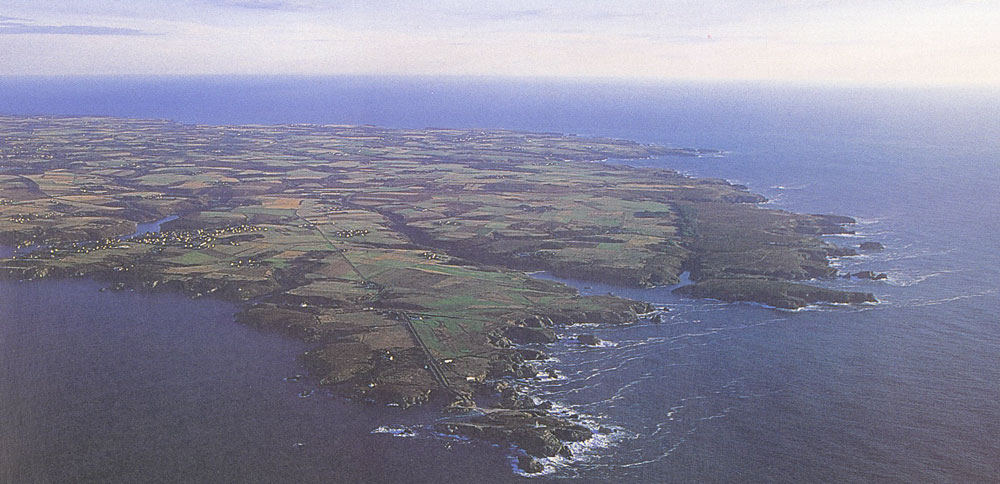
911, 42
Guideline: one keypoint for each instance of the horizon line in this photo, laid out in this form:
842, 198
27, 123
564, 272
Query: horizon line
555, 79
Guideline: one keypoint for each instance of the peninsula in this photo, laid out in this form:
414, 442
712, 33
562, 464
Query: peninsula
400, 254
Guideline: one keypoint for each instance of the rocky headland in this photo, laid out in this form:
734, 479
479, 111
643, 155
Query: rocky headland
401, 255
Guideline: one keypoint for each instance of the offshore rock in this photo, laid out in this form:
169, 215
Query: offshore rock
531, 354
535, 431
873, 276
871, 246
529, 464
540, 443
841, 252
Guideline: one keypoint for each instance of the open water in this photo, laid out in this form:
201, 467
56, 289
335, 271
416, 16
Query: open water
126, 387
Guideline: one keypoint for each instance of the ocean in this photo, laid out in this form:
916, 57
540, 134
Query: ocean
130, 387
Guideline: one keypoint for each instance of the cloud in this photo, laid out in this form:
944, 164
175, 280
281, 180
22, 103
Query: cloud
503, 15
16, 26
279, 5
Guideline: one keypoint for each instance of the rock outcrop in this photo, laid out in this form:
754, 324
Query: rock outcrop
780, 294
536, 432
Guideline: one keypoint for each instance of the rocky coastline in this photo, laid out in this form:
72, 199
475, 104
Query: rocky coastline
400, 255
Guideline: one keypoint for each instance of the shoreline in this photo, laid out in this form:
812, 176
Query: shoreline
407, 276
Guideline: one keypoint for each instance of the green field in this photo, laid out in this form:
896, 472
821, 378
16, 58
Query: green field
400, 254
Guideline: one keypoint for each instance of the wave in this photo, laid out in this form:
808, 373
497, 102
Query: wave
855, 235
867, 221
945, 300
598, 386
604, 436
790, 187
548, 375
655, 441
395, 431
774, 200
916, 254
572, 340
714, 154
816, 307
907, 280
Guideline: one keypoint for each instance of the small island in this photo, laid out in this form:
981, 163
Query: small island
401, 255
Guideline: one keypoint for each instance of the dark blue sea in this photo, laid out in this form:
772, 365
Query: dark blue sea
129, 387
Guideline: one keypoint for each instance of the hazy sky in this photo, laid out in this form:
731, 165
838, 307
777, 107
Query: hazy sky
871, 42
